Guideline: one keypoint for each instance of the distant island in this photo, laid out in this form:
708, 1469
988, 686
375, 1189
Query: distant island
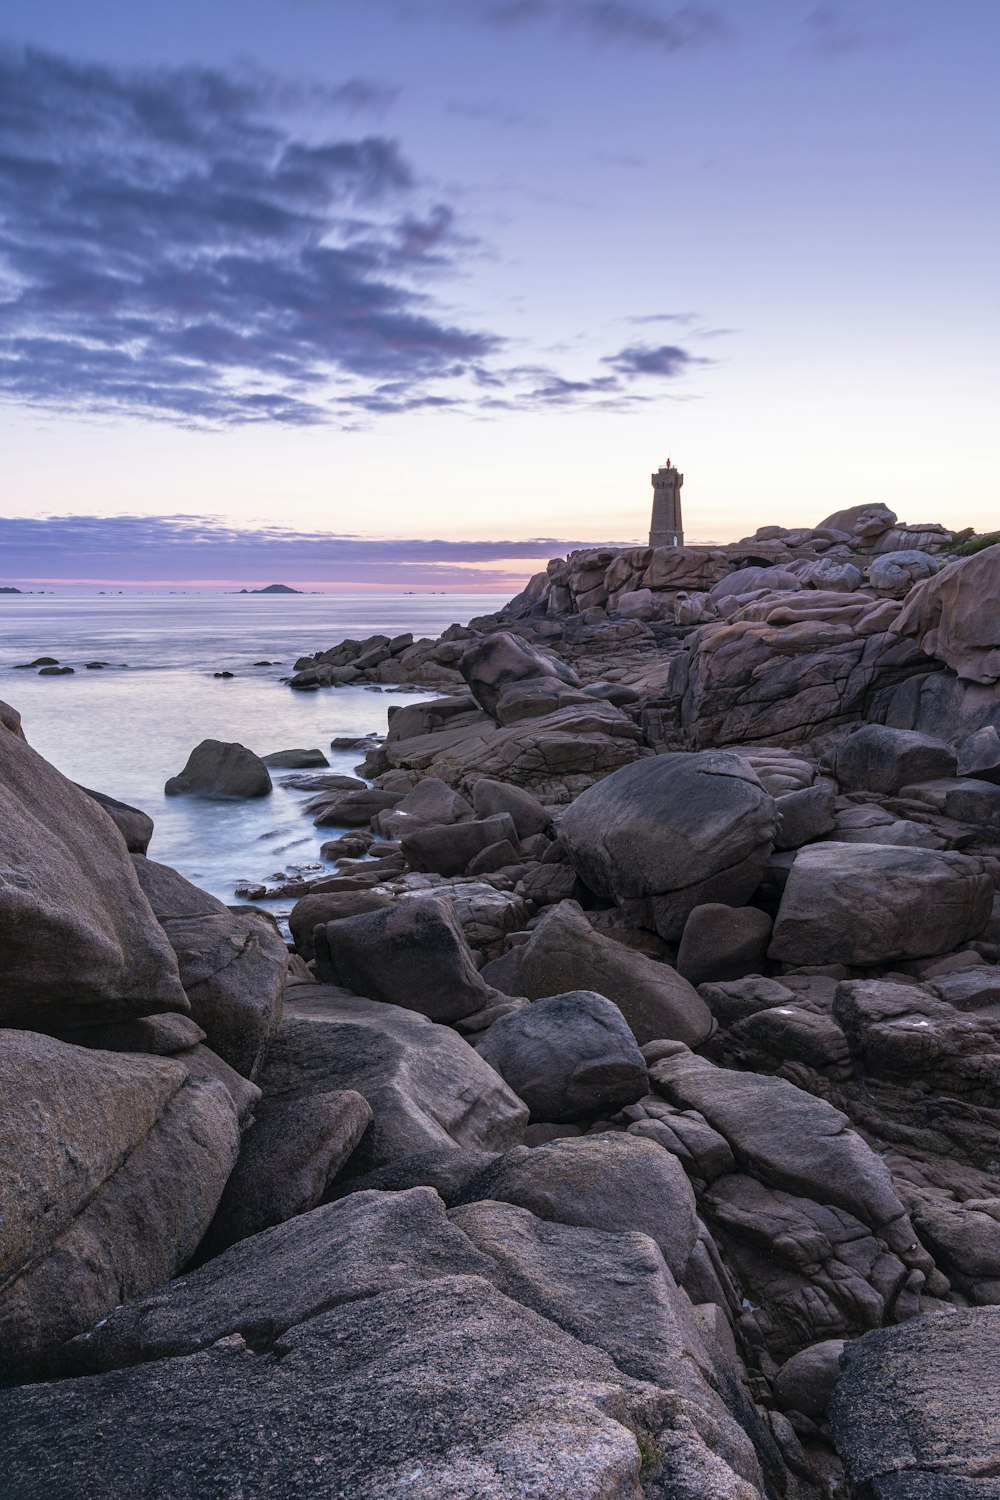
8, 590
272, 588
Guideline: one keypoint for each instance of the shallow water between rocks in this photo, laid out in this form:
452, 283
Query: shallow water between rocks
124, 729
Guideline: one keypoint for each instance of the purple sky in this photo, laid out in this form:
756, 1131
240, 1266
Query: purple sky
469, 269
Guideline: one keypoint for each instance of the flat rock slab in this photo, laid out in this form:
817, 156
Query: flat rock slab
862, 904
915, 1415
790, 1138
362, 1246
443, 1391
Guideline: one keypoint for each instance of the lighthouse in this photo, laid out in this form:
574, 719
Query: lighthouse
666, 527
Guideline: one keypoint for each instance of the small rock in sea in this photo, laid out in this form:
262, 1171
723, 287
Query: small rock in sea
56, 672
39, 661
223, 674
296, 759
321, 781
267, 663
96, 666
356, 741
250, 892
218, 769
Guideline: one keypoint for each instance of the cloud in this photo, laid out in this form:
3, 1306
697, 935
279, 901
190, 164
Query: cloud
634, 24
624, 159
641, 359
494, 112
685, 318
205, 247
183, 242
184, 548
366, 96
830, 32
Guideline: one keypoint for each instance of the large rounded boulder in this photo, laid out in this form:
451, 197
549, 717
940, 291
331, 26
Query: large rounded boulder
569, 1057
216, 768
670, 833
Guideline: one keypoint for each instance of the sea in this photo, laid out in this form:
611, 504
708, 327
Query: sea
128, 726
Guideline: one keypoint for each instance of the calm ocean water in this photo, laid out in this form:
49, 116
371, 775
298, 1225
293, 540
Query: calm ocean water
125, 729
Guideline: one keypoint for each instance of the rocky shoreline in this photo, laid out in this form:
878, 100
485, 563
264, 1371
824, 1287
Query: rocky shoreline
621, 1122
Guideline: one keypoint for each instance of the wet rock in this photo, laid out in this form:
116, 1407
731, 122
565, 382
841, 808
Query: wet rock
219, 769
114, 1166
430, 803
670, 833
569, 1057
351, 809
323, 781
56, 672
427, 1088
564, 952
864, 904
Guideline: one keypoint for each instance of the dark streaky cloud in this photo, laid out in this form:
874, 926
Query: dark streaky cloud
183, 547
171, 244
189, 244
831, 32
494, 112
643, 359
636, 24
366, 96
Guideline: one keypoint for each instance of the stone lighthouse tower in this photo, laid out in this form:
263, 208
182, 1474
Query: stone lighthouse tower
666, 528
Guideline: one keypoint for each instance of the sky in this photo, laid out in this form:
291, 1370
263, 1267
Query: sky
417, 293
